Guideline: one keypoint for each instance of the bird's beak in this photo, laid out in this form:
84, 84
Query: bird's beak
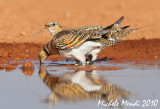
46, 25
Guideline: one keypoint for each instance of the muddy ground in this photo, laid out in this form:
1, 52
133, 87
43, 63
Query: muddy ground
20, 19
130, 50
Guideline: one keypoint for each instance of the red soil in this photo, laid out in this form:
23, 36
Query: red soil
20, 19
131, 50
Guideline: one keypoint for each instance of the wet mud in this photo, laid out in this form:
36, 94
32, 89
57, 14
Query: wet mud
143, 50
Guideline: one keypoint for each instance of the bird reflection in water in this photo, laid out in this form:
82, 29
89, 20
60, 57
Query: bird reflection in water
79, 86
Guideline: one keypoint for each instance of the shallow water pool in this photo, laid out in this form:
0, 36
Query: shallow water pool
103, 85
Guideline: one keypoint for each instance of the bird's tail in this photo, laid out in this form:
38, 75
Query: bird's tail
115, 32
122, 33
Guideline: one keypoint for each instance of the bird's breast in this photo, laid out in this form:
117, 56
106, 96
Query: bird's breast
84, 49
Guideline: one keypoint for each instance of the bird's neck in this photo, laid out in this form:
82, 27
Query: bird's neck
55, 31
58, 29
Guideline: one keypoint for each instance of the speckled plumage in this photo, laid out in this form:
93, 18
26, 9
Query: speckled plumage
73, 38
84, 41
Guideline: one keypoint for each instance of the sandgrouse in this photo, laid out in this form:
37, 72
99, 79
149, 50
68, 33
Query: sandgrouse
81, 42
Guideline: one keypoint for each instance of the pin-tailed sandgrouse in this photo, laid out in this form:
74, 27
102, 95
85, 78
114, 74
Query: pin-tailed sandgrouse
81, 42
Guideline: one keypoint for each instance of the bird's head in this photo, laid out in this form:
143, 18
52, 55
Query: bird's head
53, 27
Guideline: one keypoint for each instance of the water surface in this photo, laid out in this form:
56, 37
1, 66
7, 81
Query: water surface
57, 85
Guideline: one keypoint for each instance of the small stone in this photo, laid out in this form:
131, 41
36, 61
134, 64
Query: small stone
2, 67
9, 67
26, 50
28, 68
23, 33
28, 65
14, 44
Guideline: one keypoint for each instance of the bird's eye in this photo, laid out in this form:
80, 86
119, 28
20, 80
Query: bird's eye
53, 24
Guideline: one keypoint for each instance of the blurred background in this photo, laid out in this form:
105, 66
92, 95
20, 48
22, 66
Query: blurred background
20, 19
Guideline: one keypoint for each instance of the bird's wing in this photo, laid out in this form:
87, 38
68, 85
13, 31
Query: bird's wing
116, 24
73, 38
92, 27
98, 28
108, 30
106, 42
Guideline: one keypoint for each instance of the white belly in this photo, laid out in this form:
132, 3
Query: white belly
81, 79
86, 48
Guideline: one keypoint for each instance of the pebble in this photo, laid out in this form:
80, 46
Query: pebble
9, 67
28, 65
23, 33
2, 67
28, 68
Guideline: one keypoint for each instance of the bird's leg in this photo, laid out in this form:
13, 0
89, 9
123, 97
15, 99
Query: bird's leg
94, 57
84, 62
77, 62
90, 60
81, 57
